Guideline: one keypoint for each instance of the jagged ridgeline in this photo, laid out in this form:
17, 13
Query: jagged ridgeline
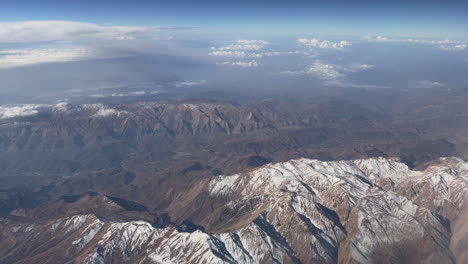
206, 181
300, 211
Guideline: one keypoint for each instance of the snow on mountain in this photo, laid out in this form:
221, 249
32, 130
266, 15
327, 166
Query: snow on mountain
300, 211
367, 195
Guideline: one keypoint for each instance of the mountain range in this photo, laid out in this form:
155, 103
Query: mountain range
373, 178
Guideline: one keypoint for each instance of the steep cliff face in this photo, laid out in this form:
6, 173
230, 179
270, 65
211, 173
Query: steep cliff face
369, 207
300, 211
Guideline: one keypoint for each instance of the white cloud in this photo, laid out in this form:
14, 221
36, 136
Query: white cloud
244, 48
235, 54
427, 41
381, 38
331, 71
243, 45
101, 110
19, 110
335, 75
410, 40
245, 64
72, 41
190, 83
451, 45
325, 71
358, 67
292, 72
428, 84
240, 47
278, 53
454, 47
242, 54
128, 94
38, 31
323, 44
252, 41
25, 57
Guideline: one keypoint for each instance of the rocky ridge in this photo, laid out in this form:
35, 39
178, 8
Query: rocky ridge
300, 211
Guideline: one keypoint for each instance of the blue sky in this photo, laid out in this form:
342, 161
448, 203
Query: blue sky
405, 18
103, 49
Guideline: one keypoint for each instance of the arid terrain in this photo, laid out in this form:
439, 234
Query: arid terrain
365, 178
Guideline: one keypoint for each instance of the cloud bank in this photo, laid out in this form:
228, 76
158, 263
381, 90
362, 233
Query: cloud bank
450, 45
41, 31
19, 111
64, 41
26, 57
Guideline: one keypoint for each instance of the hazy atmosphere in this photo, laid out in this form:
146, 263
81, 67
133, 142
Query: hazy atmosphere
71, 50
237, 132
